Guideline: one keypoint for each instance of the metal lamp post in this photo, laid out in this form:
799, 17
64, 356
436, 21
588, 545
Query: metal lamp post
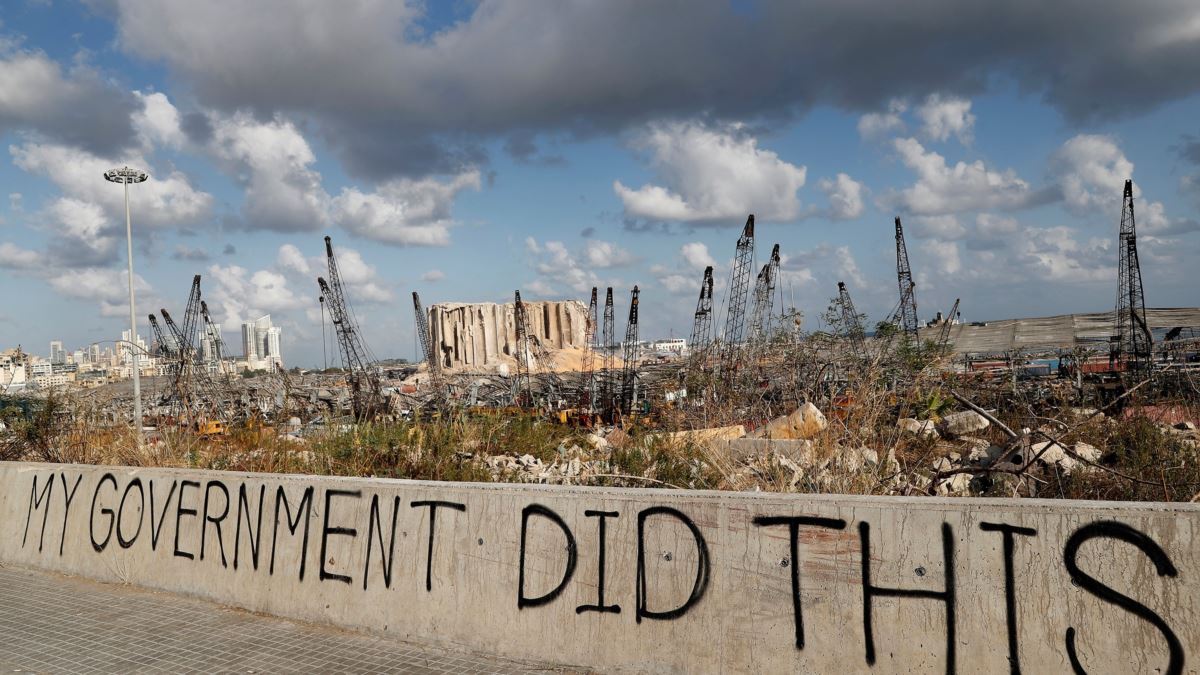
125, 176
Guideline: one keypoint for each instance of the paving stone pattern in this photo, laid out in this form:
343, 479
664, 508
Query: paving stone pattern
56, 624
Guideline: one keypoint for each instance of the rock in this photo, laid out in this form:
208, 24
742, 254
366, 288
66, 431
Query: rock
1186, 426
958, 484
850, 461
1088, 452
804, 423
529, 460
869, 456
1053, 453
617, 438
597, 442
942, 464
1084, 413
925, 429
797, 472
890, 464
962, 423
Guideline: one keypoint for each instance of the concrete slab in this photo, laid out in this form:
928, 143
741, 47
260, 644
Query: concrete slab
642, 580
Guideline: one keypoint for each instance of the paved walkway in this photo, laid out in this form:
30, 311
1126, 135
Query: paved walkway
56, 624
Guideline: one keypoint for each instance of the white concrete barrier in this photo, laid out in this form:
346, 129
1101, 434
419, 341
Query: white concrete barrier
642, 580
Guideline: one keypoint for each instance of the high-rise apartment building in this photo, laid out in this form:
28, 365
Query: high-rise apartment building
58, 355
123, 347
260, 344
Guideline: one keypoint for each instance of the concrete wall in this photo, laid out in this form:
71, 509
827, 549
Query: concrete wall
642, 580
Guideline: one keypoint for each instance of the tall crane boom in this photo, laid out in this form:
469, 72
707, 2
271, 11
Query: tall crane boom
735, 314
181, 383
764, 296
524, 351
365, 396
191, 314
166, 348
588, 379
629, 367
739, 284
702, 322
606, 382
851, 323
906, 313
429, 350
1133, 342
214, 334
944, 333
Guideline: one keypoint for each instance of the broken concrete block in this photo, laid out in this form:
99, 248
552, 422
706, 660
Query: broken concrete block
925, 428
962, 423
806, 422
707, 436
1088, 452
1053, 453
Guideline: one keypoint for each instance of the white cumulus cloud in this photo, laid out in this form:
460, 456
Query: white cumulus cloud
845, 196
942, 188
405, 211
945, 116
1092, 172
711, 174
274, 164
602, 254
696, 254
877, 125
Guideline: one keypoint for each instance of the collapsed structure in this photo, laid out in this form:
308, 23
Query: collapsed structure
484, 334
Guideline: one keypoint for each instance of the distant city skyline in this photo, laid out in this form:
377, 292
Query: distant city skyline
447, 152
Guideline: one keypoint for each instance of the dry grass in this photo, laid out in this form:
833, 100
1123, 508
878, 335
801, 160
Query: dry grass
862, 451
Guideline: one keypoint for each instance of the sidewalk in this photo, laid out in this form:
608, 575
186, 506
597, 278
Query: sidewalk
56, 624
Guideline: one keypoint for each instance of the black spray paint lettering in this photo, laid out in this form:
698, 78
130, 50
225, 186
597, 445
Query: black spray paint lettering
1107, 529
100, 545
121, 540
870, 592
1009, 533
600, 606
326, 530
433, 507
375, 526
702, 565
793, 524
303, 510
35, 502
253, 533
156, 530
68, 497
216, 521
572, 555
180, 512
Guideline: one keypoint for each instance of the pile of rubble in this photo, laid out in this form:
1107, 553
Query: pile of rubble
794, 453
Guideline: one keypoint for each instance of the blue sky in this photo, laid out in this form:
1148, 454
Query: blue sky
467, 149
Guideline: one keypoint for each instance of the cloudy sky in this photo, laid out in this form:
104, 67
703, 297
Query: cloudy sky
465, 149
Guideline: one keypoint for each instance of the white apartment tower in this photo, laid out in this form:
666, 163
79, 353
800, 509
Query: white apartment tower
260, 344
58, 355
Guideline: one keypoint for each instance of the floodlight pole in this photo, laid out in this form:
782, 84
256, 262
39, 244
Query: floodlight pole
125, 176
